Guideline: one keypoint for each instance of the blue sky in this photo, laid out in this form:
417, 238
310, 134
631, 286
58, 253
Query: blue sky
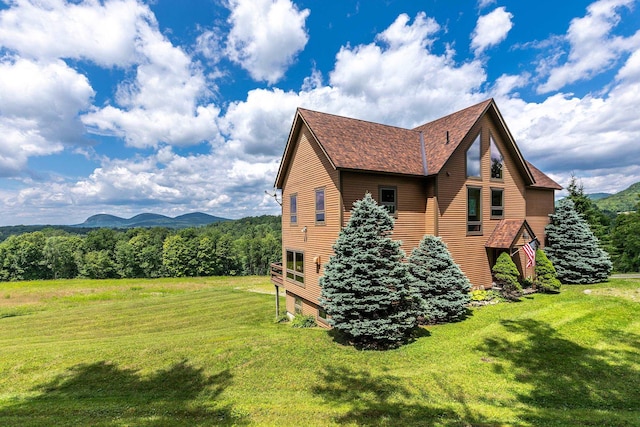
172, 107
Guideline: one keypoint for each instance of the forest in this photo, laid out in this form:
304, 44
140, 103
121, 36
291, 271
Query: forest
242, 247
618, 232
231, 248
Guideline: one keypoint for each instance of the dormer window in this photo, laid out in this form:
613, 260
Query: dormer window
473, 159
497, 161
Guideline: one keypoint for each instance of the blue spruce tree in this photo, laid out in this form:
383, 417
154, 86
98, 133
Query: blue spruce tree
442, 283
367, 289
573, 249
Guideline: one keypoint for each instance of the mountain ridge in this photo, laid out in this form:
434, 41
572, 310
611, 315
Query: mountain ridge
623, 201
147, 219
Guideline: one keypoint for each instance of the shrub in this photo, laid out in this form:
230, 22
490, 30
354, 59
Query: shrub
478, 295
303, 321
506, 274
546, 278
440, 280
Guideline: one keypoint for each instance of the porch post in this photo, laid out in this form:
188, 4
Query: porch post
277, 302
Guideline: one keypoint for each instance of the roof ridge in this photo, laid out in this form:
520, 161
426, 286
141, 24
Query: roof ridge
456, 113
358, 120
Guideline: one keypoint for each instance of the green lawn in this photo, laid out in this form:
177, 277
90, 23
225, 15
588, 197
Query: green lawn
206, 352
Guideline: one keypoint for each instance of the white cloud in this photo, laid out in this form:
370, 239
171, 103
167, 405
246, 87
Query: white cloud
39, 103
398, 80
592, 48
102, 33
491, 29
165, 183
266, 36
162, 103
166, 101
484, 3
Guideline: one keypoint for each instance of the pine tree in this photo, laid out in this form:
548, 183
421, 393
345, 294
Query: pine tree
506, 274
599, 222
546, 276
573, 249
367, 289
442, 283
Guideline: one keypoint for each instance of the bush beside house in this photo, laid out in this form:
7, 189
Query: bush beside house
440, 280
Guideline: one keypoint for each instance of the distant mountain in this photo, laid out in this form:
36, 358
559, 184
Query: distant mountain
195, 219
624, 201
598, 196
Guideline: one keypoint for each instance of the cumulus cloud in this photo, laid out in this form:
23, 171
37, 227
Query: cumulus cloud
266, 36
39, 102
165, 182
592, 49
400, 80
101, 33
166, 100
491, 29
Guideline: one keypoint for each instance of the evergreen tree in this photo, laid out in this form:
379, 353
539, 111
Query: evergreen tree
367, 289
599, 222
442, 283
546, 276
506, 274
573, 249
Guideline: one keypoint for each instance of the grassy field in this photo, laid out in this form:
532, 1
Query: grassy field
206, 351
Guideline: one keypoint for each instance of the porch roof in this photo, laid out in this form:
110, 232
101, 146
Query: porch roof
507, 232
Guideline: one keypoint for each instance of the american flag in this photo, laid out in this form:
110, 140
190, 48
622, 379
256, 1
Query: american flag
531, 253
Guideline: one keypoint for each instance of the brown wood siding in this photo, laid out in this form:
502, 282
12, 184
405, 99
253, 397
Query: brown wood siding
411, 202
467, 250
431, 214
540, 204
309, 169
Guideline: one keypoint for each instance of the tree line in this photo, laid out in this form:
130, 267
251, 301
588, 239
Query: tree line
619, 234
242, 247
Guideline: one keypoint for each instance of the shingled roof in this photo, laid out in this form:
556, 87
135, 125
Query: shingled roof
352, 144
506, 233
542, 180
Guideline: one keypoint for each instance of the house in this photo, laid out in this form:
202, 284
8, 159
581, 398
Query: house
461, 177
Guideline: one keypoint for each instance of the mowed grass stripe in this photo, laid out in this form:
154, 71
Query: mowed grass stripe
207, 352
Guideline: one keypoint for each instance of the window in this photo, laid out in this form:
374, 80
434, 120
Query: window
297, 305
293, 208
295, 266
497, 203
473, 159
322, 314
474, 215
320, 205
388, 199
497, 161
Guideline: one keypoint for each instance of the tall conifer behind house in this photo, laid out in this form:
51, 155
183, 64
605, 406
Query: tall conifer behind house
442, 283
573, 249
367, 289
